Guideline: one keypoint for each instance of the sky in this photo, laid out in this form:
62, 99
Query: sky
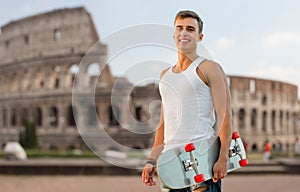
258, 38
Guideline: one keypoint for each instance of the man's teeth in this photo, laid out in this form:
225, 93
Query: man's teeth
184, 40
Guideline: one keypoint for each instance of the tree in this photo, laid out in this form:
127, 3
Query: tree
28, 138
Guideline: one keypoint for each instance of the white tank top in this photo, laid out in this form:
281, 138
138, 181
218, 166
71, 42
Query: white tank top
188, 107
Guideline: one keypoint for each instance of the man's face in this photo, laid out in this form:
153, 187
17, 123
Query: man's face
186, 34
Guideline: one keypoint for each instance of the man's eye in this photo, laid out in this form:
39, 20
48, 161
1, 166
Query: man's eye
190, 29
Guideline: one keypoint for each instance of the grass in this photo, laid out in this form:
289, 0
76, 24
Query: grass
35, 153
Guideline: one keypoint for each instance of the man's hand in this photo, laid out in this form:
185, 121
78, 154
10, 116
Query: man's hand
220, 169
148, 174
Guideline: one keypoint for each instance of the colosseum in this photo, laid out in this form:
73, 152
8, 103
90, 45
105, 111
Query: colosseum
39, 62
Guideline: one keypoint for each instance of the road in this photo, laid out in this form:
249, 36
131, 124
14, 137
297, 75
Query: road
232, 183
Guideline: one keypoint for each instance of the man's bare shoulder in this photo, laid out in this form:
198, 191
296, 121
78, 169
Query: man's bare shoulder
164, 72
210, 66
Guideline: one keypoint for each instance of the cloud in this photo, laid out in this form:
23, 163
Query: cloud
282, 38
289, 74
225, 43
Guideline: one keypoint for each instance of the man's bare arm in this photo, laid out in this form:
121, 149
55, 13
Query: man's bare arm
222, 103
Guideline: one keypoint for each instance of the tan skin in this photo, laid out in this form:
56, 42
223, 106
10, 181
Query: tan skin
186, 36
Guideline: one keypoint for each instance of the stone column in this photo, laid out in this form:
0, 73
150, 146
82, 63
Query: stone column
31, 79
8, 117
63, 77
47, 76
277, 122
45, 114
62, 108
269, 122
235, 120
284, 124
259, 122
248, 120
20, 80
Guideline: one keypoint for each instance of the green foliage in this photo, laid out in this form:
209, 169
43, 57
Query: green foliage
28, 138
35, 153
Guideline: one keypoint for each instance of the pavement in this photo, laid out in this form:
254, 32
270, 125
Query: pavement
77, 175
73, 183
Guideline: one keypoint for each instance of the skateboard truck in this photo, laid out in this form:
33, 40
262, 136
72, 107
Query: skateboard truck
236, 149
191, 164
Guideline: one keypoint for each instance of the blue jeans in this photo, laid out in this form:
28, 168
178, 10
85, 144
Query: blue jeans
209, 184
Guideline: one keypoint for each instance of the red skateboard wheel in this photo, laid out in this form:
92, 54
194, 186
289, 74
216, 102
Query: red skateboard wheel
189, 147
235, 135
243, 162
199, 178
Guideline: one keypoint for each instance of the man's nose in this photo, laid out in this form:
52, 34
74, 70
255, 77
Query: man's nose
184, 32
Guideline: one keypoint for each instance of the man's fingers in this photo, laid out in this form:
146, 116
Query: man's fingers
147, 176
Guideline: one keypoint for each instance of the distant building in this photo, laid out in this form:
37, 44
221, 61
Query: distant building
265, 109
39, 60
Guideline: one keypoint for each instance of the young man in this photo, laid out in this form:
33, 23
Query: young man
191, 92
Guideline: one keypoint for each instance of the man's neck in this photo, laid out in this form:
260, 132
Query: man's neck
185, 60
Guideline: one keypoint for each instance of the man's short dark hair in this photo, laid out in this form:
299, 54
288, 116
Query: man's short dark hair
190, 14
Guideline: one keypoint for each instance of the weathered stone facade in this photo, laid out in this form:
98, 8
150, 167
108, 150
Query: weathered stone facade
39, 60
265, 110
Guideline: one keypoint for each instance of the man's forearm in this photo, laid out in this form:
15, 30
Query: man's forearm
158, 143
225, 137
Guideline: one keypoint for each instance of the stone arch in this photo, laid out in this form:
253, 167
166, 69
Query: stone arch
39, 79
254, 147
26, 80
281, 121
56, 34
273, 120
264, 100
264, 121
53, 116
13, 116
54, 78
114, 115
14, 82
93, 71
252, 86
71, 147
24, 115
254, 118
242, 116
53, 147
71, 114
287, 120
138, 113
4, 117
72, 72
295, 117
38, 116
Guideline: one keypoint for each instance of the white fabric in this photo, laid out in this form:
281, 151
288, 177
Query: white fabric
188, 107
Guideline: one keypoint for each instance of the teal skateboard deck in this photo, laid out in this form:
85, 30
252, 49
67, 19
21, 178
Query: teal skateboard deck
187, 165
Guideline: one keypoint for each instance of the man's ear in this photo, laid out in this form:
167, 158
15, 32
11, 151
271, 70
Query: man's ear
200, 37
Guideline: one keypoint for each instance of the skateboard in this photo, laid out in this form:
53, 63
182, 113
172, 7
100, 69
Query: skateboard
193, 163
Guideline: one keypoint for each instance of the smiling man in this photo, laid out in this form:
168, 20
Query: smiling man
192, 91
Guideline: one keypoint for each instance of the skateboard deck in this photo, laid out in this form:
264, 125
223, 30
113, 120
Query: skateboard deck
193, 163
